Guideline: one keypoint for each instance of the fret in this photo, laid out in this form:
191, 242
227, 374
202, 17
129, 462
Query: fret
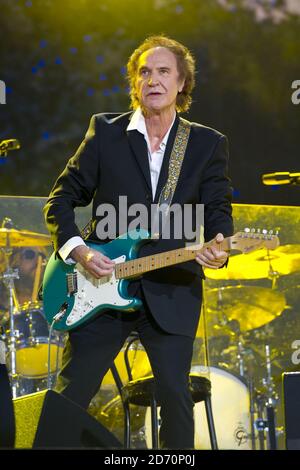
150, 263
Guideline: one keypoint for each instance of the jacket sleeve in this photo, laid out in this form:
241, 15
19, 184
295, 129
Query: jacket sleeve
216, 193
74, 187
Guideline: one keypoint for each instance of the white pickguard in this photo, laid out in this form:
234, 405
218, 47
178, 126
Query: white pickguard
92, 292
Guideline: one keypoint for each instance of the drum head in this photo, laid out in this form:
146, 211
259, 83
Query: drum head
231, 413
31, 333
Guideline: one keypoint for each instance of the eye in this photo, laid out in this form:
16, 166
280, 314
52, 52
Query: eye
144, 72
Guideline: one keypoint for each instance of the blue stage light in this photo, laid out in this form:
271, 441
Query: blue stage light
43, 43
46, 135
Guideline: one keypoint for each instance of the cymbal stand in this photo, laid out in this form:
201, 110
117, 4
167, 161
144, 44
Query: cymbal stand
271, 401
272, 274
260, 423
240, 357
247, 371
252, 411
8, 278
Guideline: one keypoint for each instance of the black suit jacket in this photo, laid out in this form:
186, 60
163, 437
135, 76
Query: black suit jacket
112, 161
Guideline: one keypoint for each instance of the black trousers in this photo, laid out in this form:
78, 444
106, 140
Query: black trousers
91, 349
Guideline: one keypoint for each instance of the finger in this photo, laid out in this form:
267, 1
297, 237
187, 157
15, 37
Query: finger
206, 261
207, 265
207, 256
219, 254
100, 272
104, 264
212, 260
95, 257
107, 260
98, 257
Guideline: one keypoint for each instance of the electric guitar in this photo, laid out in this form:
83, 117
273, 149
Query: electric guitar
71, 295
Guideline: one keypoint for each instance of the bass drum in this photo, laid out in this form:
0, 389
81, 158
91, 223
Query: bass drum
31, 331
231, 412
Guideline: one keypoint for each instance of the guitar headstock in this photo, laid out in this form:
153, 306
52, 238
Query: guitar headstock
254, 239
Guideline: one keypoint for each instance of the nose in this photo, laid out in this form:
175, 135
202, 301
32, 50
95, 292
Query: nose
152, 81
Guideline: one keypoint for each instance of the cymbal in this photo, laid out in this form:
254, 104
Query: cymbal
20, 238
258, 264
250, 306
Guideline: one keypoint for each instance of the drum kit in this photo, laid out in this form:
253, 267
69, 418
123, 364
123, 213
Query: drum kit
25, 343
248, 330
250, 318
248, 327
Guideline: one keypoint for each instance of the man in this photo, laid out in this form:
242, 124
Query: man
128, 154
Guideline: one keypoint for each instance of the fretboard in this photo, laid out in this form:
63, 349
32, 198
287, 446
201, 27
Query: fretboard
145, 264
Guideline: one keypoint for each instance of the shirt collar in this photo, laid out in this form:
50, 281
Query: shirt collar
137, 122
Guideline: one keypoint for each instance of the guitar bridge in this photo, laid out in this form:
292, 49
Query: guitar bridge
72, 286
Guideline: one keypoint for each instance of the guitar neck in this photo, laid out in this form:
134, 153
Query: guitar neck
145, 264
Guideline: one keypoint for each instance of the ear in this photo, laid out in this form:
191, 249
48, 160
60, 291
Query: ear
181, 86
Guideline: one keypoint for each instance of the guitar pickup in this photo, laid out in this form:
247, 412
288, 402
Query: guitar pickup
72, 286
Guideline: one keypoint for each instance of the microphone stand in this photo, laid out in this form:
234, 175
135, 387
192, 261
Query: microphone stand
281, 178
8, 278
7, 145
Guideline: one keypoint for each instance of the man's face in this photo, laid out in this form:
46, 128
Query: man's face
157, 82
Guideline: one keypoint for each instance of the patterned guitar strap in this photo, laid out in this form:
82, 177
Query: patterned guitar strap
166, 196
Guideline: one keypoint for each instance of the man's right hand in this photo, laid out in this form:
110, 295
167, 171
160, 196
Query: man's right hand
95, 263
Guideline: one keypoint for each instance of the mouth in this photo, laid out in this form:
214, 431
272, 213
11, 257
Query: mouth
154, 93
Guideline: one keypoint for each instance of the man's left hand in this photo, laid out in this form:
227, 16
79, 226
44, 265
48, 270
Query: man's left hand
212, 257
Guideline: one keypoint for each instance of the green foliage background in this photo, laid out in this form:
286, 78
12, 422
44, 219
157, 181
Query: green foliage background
245, 72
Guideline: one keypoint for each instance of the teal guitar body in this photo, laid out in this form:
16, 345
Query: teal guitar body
73, 295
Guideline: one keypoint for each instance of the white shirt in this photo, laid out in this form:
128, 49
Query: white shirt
137, 122
155, 159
